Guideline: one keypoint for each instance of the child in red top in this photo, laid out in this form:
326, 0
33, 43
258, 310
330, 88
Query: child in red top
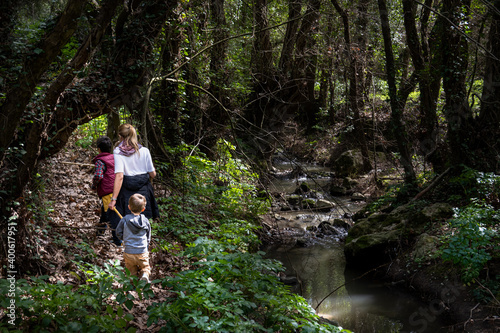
104, 178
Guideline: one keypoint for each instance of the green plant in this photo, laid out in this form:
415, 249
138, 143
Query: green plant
93, 129
217, 198
232, 291
42, 306
474, 235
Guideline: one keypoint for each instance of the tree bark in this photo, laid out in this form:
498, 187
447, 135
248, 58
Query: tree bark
354, 68
426, 64
216, 119
455, 61
20, 92
397, 105
285, 64
489, 116
304, 69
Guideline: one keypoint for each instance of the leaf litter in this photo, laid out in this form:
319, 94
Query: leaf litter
72, 210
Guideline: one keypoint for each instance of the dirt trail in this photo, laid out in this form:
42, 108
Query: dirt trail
73, 210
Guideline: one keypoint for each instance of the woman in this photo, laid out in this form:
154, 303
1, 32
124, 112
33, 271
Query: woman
133, 171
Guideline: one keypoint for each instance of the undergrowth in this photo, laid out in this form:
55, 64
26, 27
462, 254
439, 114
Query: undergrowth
209, 221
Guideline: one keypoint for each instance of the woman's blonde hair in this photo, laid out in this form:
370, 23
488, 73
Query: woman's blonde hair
128, 134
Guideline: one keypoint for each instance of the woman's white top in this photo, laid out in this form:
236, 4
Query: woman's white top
135, 164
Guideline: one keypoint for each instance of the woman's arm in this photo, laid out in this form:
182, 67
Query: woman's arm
116, 189
152, 174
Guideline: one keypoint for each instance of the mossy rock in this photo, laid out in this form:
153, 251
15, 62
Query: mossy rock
426, 247
293, 199
372, 249
349, 163
438, 211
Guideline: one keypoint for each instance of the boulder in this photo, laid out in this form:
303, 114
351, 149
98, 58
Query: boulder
349, 183
338, 191
327, 229
373, 249
349, 164
324, 205
372, 240
356, 196
438, 211
425, 247
293, 199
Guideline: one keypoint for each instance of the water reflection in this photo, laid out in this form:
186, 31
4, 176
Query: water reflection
360, 305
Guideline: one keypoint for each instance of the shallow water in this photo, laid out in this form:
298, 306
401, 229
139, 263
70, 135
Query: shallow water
358, 304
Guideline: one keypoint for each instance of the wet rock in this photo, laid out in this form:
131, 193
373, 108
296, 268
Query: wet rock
302, 188
339, 223
372, 249
349, 163
338, 191
289, 280
356, 196
293, 199
301, 242
349, 183
327, 229
373, 240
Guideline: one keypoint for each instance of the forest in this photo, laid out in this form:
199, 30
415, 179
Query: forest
400, 98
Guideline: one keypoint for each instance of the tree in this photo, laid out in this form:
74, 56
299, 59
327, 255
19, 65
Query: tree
354, 72
488, 122
396, 100
454, 53
426, 61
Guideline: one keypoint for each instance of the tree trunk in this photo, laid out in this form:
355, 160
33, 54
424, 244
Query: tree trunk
304, 69
426, 64
397, 105
21, 91
285, 64
455, 61
216, 118
353, 96
488, 122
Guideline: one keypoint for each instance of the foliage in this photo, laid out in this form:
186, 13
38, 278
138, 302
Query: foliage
92, 131
42, 306
215, 198
233, 291
474, 236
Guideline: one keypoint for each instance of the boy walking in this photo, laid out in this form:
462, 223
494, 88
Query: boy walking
135, 231
104, 178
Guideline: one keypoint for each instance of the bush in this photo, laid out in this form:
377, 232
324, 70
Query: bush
42, 306
474, 236
213, 198
233, 291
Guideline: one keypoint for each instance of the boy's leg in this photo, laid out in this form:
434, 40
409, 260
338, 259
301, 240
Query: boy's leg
131, 263
143, 263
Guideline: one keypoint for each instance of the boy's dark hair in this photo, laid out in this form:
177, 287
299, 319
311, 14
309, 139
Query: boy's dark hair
104, 144
137, 203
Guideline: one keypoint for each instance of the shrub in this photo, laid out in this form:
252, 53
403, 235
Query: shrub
233, 291
42, 306
474, 236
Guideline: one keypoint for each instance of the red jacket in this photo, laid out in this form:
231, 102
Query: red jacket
105, 186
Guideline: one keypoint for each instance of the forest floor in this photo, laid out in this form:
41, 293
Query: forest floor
73, 210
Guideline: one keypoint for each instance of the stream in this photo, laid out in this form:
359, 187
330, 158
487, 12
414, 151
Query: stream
317, 261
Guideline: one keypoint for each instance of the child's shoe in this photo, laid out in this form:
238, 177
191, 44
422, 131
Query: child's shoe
145, 277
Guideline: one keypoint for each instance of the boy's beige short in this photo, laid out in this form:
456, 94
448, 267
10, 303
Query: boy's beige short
137, 262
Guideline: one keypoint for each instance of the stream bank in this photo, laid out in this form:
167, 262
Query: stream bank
370, 272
